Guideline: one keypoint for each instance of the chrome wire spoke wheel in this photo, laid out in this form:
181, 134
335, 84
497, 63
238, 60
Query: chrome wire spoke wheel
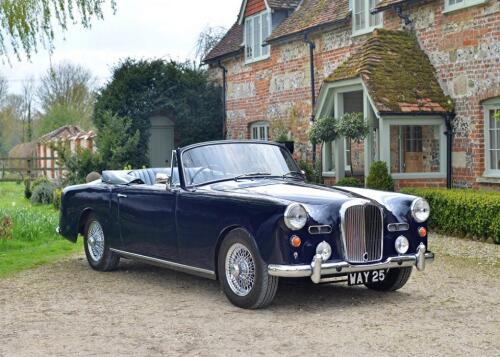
240, 269
95, 241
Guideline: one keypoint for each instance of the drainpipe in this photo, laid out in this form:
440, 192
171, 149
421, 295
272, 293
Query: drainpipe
449, 147
224, 88
312, 46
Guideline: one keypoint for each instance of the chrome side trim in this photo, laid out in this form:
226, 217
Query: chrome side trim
167, 264
317, 268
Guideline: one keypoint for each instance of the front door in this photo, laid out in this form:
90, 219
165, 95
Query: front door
147, 220
161, 141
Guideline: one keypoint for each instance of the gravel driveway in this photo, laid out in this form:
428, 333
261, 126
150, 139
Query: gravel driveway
67, 309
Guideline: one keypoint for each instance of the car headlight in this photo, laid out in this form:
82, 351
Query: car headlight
401, 244
295, 216
420, 210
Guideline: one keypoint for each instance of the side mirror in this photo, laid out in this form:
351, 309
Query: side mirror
162, 179
303, 172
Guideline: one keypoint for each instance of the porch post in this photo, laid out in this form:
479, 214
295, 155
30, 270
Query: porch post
368, 114
338, 108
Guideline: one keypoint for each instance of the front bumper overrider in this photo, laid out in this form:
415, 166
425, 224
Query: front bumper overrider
318, 268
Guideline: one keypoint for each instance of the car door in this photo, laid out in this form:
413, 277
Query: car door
146, 215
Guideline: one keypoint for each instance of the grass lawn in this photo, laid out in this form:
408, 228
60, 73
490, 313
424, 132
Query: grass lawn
33, 241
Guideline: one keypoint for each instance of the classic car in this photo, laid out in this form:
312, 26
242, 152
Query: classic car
241, 212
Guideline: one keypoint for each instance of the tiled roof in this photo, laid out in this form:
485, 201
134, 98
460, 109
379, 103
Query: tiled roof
397, 73
310, 14
283, 4
230, 43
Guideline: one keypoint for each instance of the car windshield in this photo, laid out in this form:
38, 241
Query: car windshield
218, 162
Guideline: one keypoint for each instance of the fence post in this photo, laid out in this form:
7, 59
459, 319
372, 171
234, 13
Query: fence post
29, 169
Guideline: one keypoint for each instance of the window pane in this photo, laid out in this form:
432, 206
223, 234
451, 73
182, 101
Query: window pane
257, 45
254, 133
248, 38
359, 14
494, 160
265, 33
374, 20
414, 148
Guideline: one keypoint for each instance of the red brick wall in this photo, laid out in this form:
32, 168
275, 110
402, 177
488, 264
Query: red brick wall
462, 45
254, 6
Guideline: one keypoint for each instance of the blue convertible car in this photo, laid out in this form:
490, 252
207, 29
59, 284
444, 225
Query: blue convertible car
241, 212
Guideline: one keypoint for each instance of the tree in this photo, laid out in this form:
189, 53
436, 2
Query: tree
66, 96
140, 89
207, 40
28, 96
28, 24
353, 127
117, 142
11, 130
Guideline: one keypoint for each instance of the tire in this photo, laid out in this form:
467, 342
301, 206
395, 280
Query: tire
239, 254
100, 258
395, 279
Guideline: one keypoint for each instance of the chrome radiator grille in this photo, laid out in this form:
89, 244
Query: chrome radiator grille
362, 232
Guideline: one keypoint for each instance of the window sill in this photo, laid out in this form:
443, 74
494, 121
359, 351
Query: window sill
489, 178
365, 31
449, 9
328, 174
252, 61
418, 175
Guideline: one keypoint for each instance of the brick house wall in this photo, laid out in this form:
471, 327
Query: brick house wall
463, 46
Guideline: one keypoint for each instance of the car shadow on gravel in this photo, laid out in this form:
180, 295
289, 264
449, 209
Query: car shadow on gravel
297, 293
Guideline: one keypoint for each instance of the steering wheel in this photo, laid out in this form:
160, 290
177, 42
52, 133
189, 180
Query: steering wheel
212, 167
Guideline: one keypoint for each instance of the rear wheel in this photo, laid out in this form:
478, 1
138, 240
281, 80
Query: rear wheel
99, 256
394, 279
243, 274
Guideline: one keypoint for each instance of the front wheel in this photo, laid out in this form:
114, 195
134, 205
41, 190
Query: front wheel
243, 274
394, 279
99, 256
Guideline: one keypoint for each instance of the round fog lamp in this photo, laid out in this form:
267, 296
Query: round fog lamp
402, 244
325, 250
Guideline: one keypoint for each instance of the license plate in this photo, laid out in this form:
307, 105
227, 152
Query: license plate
363, 277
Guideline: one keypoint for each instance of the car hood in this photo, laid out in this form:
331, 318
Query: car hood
319, 200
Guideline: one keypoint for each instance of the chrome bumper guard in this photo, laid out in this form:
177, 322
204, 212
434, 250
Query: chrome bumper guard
319, 268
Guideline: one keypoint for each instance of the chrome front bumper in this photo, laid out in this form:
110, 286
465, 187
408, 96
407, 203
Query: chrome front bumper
319, 268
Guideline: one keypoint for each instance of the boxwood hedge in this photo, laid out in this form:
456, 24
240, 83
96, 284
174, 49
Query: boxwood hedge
463, 212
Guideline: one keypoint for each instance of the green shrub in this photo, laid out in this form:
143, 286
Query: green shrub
463, 212
313, 175
40, 180
56, 198
27, 188
349, 182
379, 178
43, 193
6, 226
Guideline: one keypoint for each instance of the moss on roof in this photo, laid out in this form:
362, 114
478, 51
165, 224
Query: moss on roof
310, 14
397, 73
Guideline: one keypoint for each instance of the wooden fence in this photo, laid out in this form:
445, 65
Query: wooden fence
17, 169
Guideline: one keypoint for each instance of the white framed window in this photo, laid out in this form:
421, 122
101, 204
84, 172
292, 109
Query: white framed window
362, 20
414, 147
452, 5
492, 137
260, 130
257, 30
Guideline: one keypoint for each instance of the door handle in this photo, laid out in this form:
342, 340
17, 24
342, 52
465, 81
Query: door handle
121, 195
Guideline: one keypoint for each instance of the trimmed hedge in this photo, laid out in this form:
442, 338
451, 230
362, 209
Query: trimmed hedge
463, 212
349, 182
